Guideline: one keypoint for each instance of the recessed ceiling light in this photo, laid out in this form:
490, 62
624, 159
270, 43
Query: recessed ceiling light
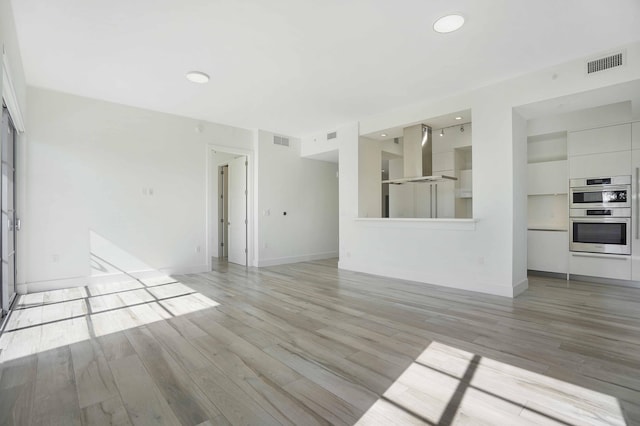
458, 118
448, 23
384, 135
197, 77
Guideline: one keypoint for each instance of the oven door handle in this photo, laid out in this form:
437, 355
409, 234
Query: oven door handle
603, 256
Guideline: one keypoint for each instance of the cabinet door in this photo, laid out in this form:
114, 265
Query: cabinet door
607, 164
548, 178
600, 265
635, 135
442, 163
600, 140
635, 217
446, 199
548, 251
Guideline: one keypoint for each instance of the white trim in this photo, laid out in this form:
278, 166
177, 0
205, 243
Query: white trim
520, 287
210, 198
419, 276
10, 98
296, 259
418, 223
57, 284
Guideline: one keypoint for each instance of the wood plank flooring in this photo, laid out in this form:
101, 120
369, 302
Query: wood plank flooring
308, 344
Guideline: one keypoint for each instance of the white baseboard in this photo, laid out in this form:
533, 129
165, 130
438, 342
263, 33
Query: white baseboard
57, 284
296, 259
520, 287
21, 288
417, 276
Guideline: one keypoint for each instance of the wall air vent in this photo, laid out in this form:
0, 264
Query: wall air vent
608, 62
280, 140
396, 141
332, 135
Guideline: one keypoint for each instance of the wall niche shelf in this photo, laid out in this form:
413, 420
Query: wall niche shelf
547, 147
547, 188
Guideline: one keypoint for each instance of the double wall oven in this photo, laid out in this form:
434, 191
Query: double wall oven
600, 215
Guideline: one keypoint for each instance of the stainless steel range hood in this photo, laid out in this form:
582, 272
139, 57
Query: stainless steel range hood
417, 157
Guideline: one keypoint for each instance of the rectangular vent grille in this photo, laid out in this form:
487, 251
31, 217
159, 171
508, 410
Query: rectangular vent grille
280, 140
606, 63
396, 141
332, 135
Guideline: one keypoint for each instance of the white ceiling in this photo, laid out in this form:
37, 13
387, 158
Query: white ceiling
301, 66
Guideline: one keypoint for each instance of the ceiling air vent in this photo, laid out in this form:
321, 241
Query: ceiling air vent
280, 140
608, 62
332, 135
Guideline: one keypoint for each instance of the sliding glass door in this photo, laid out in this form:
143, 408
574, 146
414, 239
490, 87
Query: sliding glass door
8, 221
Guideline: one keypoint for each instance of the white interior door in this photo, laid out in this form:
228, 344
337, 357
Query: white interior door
237, 219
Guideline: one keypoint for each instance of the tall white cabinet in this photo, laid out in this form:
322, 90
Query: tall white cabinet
604, 151
635, 200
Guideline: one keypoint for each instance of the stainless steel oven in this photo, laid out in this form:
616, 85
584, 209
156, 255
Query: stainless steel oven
613, 191
600, 230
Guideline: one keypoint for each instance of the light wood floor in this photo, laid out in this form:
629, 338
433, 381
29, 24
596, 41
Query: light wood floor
308, 344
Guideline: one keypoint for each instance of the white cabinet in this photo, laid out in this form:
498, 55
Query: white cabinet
445, 206
547, 251
600, 140
547, 178
600, 152
607, 164
442, 162
465, 184
600, 265
635, 211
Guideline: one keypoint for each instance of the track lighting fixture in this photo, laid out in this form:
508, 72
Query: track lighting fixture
441, 132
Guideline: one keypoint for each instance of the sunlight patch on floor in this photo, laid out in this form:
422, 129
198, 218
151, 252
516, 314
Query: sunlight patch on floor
446, 385
47, 320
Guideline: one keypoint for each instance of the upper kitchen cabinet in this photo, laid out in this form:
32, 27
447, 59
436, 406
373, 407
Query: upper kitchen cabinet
600, 152
600, 140
635, 135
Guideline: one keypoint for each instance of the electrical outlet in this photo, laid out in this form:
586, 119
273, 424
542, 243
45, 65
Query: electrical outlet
198, 249
55, 258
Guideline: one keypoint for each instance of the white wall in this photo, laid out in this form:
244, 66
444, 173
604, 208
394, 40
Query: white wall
316, 145
520, 203
91, 165
307, 190
478, 256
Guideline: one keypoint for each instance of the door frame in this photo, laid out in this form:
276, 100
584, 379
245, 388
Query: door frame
212, 200
10, 97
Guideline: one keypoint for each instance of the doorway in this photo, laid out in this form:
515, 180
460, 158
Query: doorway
9, 223
237, 211
223, 212
231, 212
